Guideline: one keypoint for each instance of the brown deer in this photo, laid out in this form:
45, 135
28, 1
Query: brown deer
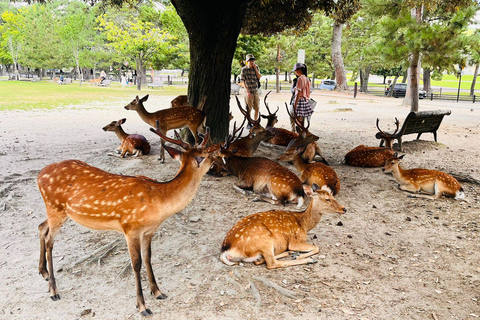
311, 173
271, 181
266, 236
434, 183
180, 101
172, 118
133, 205
363, 156
134, 144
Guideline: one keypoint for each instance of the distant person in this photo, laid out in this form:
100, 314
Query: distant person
60, 81
103, 76
302, 93
129, 78
124, 80
250, 80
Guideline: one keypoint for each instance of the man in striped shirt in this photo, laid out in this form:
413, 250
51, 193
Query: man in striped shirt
250, 77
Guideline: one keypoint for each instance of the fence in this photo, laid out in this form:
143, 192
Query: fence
433, 96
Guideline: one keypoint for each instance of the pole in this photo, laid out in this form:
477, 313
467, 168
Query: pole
459, 82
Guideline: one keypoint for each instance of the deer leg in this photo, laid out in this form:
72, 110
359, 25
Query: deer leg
408, 188
278, 256
309, 249
54, 225
42, 265
147, 254
134, 248
162, 151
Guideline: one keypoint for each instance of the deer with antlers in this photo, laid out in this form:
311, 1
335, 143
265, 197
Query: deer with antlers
134, 144
363, 156
265, 237
271, 181
172, 118
133, 205
434, 183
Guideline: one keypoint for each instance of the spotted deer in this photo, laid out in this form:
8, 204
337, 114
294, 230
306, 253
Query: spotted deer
180, 101
271, 181
265, 237
318, 173
133, 205
434, 183
134, 144
363, 156
172, 118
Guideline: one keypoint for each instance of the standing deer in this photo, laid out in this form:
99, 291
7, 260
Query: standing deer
318, 173
266, 236
433, 182
134, 144
271, 181
180, 101
363, 156
172, 118
133, 205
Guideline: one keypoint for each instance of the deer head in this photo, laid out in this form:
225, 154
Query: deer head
387, 137
272, 118
304, 136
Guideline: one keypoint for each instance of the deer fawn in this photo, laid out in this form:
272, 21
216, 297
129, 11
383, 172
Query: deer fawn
363, 156
273, 182
433, 182
266, 236
172, 118
135, 144
133, 205
318, 173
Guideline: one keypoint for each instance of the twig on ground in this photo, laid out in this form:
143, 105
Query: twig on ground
256, 295
282, 291
106, 247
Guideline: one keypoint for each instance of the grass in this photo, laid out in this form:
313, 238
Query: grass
25, 95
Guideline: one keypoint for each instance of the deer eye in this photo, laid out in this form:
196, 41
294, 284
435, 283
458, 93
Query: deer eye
328, 200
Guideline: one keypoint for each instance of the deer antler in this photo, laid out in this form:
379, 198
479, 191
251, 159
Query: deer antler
246, 114
397, 123
266, 104
230, 138
294, 117
178, 142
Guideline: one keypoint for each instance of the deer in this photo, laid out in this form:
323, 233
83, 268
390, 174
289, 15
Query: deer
268, 236
180, 101
172, 118
271, 181
134, 144
432, 182
318, 173
133, 205
363, 156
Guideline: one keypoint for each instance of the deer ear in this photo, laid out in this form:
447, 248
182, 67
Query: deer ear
137, 99
401, 157
315, 187
122, 121
174, 153
308, 190
145, 98
264, 117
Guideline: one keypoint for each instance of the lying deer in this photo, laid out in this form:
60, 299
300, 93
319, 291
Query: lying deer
432, 182
265, 237
271, 181
318, 173
134, 144
133, 205
363, 156
172, 118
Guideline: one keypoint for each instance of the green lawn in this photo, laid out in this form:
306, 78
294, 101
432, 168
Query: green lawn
25, 95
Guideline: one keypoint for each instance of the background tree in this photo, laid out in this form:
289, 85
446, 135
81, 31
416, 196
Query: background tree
12, 37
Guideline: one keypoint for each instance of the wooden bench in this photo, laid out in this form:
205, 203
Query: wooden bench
418, 122
105, 83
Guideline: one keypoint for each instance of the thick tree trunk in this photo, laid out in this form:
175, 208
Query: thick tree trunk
213, 30
412, 88
337, 59
364, 76
474, 81
427, 83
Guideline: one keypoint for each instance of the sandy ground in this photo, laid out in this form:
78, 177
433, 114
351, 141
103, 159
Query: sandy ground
389, 257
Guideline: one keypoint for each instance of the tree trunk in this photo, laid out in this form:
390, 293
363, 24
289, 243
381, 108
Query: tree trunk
427, 83
390, 93
364, 76
474, 81
213, 32
337, 59
412, 88
277, 79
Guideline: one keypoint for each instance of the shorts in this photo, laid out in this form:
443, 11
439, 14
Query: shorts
253, 102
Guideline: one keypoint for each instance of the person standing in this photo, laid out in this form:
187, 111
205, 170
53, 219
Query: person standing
302, 93
129, 78
250, 80
103, 76
124, 80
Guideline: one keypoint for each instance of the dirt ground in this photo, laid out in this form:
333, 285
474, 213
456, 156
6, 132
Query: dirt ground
389, 257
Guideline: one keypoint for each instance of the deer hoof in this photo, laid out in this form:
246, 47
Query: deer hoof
161, 296
55, 297
146, 313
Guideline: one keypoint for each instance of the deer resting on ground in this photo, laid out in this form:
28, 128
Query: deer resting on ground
133, 205
434, 183
265, 237
134, 144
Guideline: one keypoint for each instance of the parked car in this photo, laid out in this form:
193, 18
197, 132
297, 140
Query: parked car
401, 89
328, 84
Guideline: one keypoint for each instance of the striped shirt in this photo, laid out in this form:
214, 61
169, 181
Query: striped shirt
249, 78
